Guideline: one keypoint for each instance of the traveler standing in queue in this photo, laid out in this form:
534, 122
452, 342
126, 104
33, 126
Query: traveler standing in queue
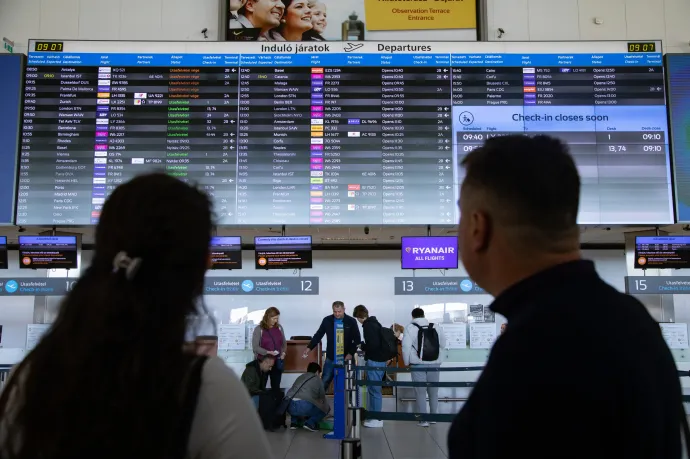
598, 386
377, 351
350, 339
421, 347
126, 386
269, 339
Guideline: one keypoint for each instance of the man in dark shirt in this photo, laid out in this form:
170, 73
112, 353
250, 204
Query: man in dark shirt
582, 370
351, 339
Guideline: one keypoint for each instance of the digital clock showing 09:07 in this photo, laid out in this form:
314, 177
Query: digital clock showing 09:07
55, 46
642, 47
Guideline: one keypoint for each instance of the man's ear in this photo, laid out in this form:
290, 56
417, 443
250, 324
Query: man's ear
481, 229
249, 5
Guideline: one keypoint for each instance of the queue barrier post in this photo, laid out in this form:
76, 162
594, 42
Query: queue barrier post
339, 405
356, 422
351, 448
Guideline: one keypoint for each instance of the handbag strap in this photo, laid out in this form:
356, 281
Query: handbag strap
190, 398
300, 387
272, 340
270, 336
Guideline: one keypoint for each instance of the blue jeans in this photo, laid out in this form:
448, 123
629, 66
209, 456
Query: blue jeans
304, 409
255, 399
374, 399
328, 370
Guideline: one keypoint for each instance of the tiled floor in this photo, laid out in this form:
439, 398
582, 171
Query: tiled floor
397, 440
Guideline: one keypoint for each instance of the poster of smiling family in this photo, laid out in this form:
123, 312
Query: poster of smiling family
347, 20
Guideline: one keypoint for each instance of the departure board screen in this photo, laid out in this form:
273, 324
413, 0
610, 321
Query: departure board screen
284, 252
661, 252
4, 264
48, 252
335, 133
226, 252
11, 76
678, 75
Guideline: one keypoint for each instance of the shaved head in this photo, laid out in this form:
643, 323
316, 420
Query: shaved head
529, 188
519, 200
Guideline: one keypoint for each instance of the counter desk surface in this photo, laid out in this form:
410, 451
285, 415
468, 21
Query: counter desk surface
294, 363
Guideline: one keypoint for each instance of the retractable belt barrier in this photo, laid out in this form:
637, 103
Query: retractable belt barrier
397, 416
419, 417
350, 418
428, 370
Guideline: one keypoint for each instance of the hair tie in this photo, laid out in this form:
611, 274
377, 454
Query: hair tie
130, 265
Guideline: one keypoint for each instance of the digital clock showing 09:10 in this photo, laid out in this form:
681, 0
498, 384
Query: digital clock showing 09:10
639, 47
49, 46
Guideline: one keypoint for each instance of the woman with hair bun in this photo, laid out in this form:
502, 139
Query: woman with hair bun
111, 378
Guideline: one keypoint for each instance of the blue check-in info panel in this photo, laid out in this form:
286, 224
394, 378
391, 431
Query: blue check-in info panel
678, 75
11, 74
337, 133
42, 286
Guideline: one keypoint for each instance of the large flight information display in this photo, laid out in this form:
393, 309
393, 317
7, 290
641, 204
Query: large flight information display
334, 133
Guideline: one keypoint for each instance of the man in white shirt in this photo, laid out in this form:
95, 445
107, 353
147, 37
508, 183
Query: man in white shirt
422, 347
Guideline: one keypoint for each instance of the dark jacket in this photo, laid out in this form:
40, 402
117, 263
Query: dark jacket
253, 378
352, 336
373, 341
582, 370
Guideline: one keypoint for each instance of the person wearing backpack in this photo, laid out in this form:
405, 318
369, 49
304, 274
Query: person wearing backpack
421, 346
378, 350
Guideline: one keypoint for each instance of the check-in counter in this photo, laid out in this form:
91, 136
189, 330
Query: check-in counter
294, 363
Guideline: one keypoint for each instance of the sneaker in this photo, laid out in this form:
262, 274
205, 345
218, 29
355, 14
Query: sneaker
294, 426
432, 422
373, 423
309, 428
423, 424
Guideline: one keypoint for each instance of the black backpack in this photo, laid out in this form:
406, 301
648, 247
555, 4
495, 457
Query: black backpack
428, 347
389, 343
270, 409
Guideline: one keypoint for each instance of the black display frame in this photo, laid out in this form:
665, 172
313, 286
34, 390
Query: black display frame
638, 257
402, 249
24, 253
238, 261
308, 265
4, 253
